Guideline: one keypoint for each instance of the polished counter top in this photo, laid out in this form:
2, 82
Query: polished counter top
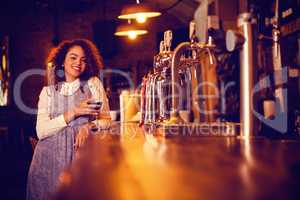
130, 163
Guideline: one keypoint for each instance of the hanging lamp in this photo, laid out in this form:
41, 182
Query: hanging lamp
139, 11
130, 30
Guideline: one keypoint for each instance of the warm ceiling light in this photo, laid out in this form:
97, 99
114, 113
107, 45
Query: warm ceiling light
139, 11
141, 18
130, 30
4, 63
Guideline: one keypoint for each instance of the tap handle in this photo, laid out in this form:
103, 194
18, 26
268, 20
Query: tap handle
168, 36
161, 46
276, 38
210, 42
192, 30
234, 40
211, 56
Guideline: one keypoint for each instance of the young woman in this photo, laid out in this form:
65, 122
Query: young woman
66, 106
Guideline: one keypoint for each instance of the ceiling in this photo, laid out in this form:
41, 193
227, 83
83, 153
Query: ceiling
183, 10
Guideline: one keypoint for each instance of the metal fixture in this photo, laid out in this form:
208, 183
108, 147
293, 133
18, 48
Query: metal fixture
163, 87
197, 49
139, 11
156, 87
244, 40
130, 30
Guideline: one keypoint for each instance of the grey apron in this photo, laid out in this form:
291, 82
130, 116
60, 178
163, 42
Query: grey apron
55, 153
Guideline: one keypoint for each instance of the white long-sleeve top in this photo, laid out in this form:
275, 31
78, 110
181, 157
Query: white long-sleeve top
46, 126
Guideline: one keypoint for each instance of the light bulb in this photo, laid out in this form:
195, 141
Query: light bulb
4, 62
141, 18
132, 35
49, 64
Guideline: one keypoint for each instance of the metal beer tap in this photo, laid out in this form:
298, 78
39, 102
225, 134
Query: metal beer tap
196, 49
157, 83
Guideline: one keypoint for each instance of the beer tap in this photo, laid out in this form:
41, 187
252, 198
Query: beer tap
164, 82
168, 36
196, 49
156, 92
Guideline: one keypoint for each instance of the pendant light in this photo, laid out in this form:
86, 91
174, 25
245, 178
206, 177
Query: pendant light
139, 11
130, 30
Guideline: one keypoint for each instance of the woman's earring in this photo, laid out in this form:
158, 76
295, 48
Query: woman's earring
60, 72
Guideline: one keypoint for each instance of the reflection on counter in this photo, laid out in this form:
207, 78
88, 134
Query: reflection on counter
137, 165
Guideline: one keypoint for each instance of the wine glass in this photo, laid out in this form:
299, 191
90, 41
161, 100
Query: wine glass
95, 104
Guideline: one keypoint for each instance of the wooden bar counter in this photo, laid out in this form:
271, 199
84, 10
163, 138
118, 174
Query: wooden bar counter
129, 163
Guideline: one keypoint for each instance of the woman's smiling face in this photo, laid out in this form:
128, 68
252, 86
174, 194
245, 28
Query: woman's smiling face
74, 63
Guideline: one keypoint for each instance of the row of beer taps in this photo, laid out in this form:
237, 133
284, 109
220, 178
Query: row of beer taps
180, 80
156, 85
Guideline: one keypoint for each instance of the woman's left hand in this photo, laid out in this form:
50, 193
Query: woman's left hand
82, 136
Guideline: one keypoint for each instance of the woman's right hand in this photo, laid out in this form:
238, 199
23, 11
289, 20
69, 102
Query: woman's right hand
85, 109
82, 109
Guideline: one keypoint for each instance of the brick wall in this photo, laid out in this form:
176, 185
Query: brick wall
31, 35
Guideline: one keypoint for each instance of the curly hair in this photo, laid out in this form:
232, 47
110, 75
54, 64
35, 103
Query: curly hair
55, 60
